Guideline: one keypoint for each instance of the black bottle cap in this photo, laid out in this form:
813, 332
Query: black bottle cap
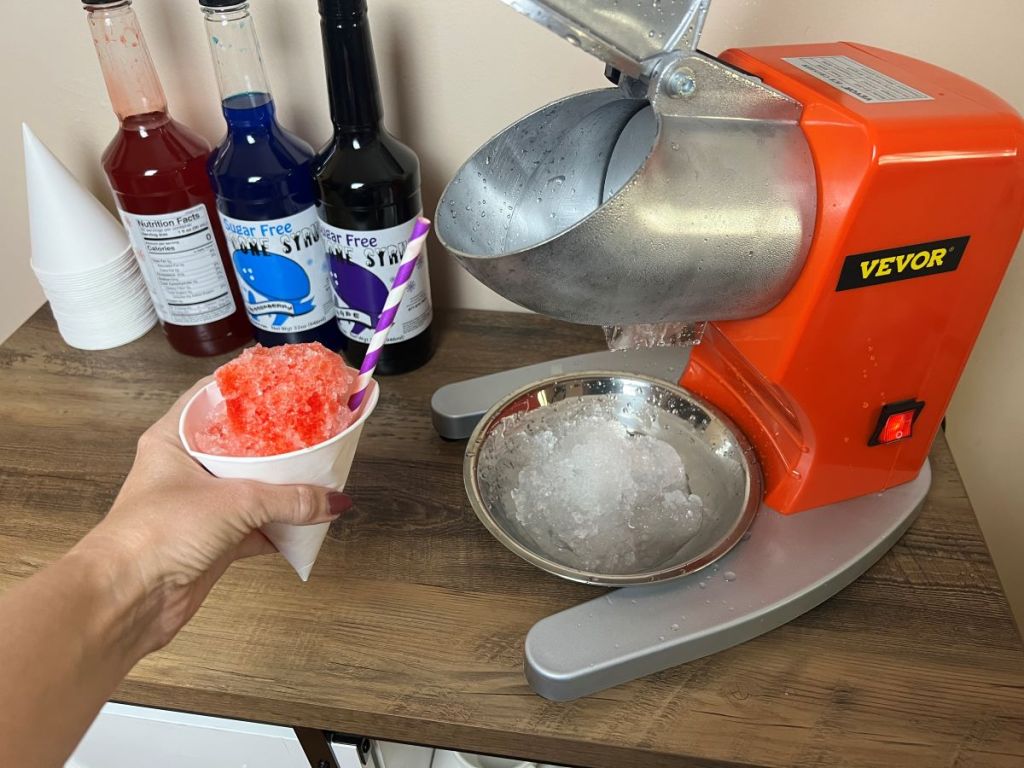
103, 2
221, 3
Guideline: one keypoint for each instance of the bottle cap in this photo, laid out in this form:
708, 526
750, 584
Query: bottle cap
222, 3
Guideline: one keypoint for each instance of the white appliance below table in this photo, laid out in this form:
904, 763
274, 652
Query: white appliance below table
127, 737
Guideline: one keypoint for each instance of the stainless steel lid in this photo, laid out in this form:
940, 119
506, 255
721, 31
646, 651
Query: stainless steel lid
627, 34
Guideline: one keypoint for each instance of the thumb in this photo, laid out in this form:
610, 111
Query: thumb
300, 504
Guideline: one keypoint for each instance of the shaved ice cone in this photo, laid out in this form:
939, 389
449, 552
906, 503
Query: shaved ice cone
325, 464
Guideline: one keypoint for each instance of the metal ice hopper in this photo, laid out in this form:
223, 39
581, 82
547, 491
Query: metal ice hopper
687, 193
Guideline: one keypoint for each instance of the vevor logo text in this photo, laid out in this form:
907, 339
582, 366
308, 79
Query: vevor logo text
900, 264
865, 269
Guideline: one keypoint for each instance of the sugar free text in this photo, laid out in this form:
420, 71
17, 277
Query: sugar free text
270, 238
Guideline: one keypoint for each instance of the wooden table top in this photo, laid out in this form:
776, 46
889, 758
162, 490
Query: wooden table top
412, 625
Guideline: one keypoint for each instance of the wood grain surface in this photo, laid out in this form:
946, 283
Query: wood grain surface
412, 625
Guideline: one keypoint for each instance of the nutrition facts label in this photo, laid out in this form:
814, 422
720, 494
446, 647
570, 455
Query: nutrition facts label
180, 261
858, 80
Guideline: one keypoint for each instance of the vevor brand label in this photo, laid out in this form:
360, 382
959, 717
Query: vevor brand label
892, 264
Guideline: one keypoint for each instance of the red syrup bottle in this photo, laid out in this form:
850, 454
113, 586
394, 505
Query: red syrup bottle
157, 170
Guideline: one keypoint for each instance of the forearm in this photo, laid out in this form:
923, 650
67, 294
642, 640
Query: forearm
68, 635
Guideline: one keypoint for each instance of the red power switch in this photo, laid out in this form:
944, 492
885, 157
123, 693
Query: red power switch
896, 422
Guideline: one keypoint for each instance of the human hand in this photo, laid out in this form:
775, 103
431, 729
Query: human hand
174, 529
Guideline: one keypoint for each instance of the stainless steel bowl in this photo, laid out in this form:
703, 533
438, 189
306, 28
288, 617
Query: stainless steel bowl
719, 461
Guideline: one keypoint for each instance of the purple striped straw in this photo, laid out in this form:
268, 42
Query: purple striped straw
387, 315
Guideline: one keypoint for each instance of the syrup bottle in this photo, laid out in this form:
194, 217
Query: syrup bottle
157, 170
263, 178
369, 189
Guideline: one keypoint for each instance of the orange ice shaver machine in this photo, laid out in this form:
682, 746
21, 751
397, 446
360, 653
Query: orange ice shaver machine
831, 221
843, 385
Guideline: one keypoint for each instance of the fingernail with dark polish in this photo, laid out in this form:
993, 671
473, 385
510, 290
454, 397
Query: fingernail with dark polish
339, 503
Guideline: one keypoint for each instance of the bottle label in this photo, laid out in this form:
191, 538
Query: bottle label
363, 266
180, 261
282, 270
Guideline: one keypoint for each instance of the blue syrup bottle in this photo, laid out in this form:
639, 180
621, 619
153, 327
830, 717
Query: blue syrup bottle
266, 199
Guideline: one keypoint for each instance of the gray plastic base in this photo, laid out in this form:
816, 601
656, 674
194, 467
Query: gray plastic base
786, 566
457, 407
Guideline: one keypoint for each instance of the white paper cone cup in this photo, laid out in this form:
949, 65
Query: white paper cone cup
326, 464
300, 544
70, 230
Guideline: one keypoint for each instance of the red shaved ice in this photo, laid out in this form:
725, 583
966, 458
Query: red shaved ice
277, 400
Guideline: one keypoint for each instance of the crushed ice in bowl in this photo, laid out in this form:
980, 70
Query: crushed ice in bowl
604, 494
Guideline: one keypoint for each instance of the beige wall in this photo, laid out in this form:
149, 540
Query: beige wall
475, 66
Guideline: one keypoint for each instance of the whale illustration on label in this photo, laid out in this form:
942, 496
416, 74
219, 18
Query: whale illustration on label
363, 267
362, 295
282, 270
282, 282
